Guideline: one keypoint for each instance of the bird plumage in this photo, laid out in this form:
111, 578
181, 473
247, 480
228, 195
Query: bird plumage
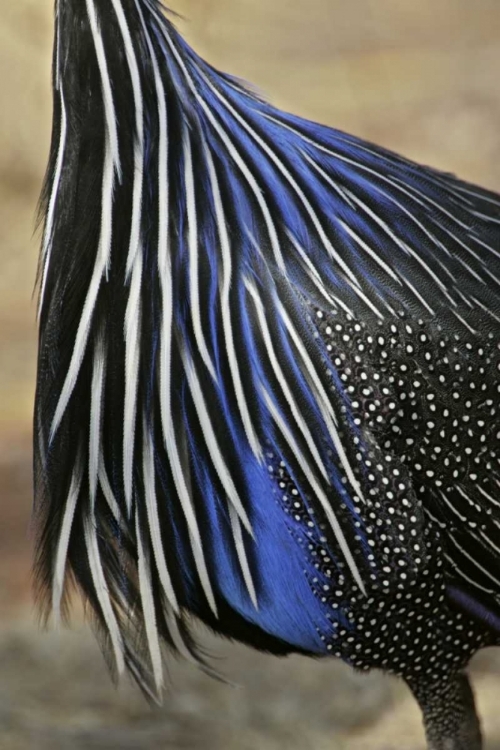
268, 370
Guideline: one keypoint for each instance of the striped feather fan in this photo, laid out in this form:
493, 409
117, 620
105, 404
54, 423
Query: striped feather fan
199, 440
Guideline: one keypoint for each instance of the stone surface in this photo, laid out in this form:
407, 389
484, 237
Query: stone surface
55, 694
54, 690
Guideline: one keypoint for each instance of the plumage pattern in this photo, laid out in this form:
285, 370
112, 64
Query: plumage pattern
268, 370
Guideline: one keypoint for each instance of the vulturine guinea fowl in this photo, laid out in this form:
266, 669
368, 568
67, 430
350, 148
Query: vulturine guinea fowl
268, 377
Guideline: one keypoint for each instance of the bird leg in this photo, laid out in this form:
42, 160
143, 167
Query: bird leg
449, 713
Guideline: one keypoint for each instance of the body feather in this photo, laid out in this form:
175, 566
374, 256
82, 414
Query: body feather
220, 283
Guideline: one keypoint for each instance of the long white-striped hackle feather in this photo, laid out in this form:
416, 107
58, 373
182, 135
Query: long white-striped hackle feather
102, 592
96, 405
61, 556
134, 246
109, 107
148, 609
194, 275
132, 360
49, 222
148, 468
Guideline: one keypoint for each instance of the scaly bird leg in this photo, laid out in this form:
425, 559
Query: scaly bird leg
449, 713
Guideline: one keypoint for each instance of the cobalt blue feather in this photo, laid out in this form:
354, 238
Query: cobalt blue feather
268, 370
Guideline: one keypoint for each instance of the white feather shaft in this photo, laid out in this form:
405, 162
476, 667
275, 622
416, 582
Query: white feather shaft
102, 592
107, 490
96, 397
64, 537
148, 609
135, 229
109, 107
49, 222
79, 348
157, 540
242, 556
194, 281
132, 358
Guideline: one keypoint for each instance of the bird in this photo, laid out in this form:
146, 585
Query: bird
268, 377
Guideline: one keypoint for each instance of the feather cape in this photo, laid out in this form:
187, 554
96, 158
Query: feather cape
218, 279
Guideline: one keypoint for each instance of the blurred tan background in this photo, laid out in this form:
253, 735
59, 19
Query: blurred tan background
419, 76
